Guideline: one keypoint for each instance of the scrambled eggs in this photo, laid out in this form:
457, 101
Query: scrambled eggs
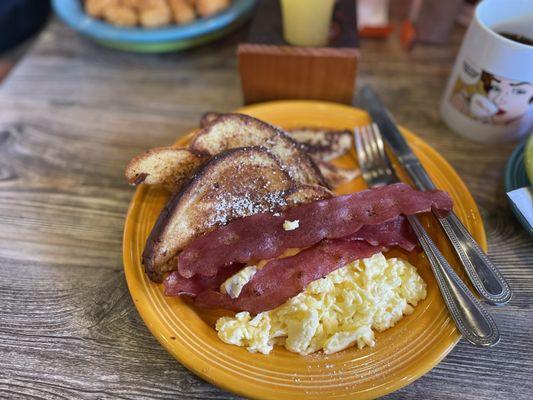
333, 313
234, 284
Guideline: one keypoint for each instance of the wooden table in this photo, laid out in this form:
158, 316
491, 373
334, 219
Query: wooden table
73, 113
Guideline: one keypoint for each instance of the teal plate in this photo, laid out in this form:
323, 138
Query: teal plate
166, 47
515, 178
154, 40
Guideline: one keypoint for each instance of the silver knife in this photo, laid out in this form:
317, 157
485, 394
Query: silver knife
484, 275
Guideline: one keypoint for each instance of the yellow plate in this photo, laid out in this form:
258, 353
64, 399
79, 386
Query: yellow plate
401, 355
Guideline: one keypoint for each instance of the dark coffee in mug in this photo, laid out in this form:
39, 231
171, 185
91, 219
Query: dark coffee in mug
517, 38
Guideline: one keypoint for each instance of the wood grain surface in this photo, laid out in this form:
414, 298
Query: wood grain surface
73, 113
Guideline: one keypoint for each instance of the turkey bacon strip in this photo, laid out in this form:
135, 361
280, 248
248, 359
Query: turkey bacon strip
263, 236
284, 278
397, 232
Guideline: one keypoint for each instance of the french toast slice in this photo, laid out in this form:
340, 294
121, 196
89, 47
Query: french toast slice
323, 144
166, 166
170, 167
229, 131
215, 196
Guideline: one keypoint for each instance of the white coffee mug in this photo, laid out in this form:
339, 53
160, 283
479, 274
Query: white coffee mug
489, 96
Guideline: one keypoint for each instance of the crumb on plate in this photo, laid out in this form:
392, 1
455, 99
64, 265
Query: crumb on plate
291, 225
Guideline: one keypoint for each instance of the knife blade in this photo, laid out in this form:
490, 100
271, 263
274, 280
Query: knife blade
483, 274
389, 130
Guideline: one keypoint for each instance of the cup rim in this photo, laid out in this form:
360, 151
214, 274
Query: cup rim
496, 35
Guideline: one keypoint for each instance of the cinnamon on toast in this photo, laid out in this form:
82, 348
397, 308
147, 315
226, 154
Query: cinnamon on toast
233, 184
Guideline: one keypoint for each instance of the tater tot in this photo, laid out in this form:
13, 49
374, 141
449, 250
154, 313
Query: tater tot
182, 11
134, 4
152, 13
155, 13
96, 8
209, 7
121, 16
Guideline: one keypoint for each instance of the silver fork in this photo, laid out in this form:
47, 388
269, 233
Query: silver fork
471, 318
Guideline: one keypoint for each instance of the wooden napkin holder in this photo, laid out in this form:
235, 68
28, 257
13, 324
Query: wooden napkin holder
271, 69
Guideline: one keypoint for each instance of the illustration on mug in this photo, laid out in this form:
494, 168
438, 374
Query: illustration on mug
492, 99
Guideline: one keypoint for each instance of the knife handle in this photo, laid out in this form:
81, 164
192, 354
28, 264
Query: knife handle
483, 274
485, 277
471, 318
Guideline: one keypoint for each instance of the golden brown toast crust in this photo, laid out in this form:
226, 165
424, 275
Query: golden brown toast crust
208, 118
166, 166
229, 131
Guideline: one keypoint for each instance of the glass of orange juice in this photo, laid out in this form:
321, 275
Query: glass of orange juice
306, 22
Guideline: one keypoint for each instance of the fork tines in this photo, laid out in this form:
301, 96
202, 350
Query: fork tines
374, 162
